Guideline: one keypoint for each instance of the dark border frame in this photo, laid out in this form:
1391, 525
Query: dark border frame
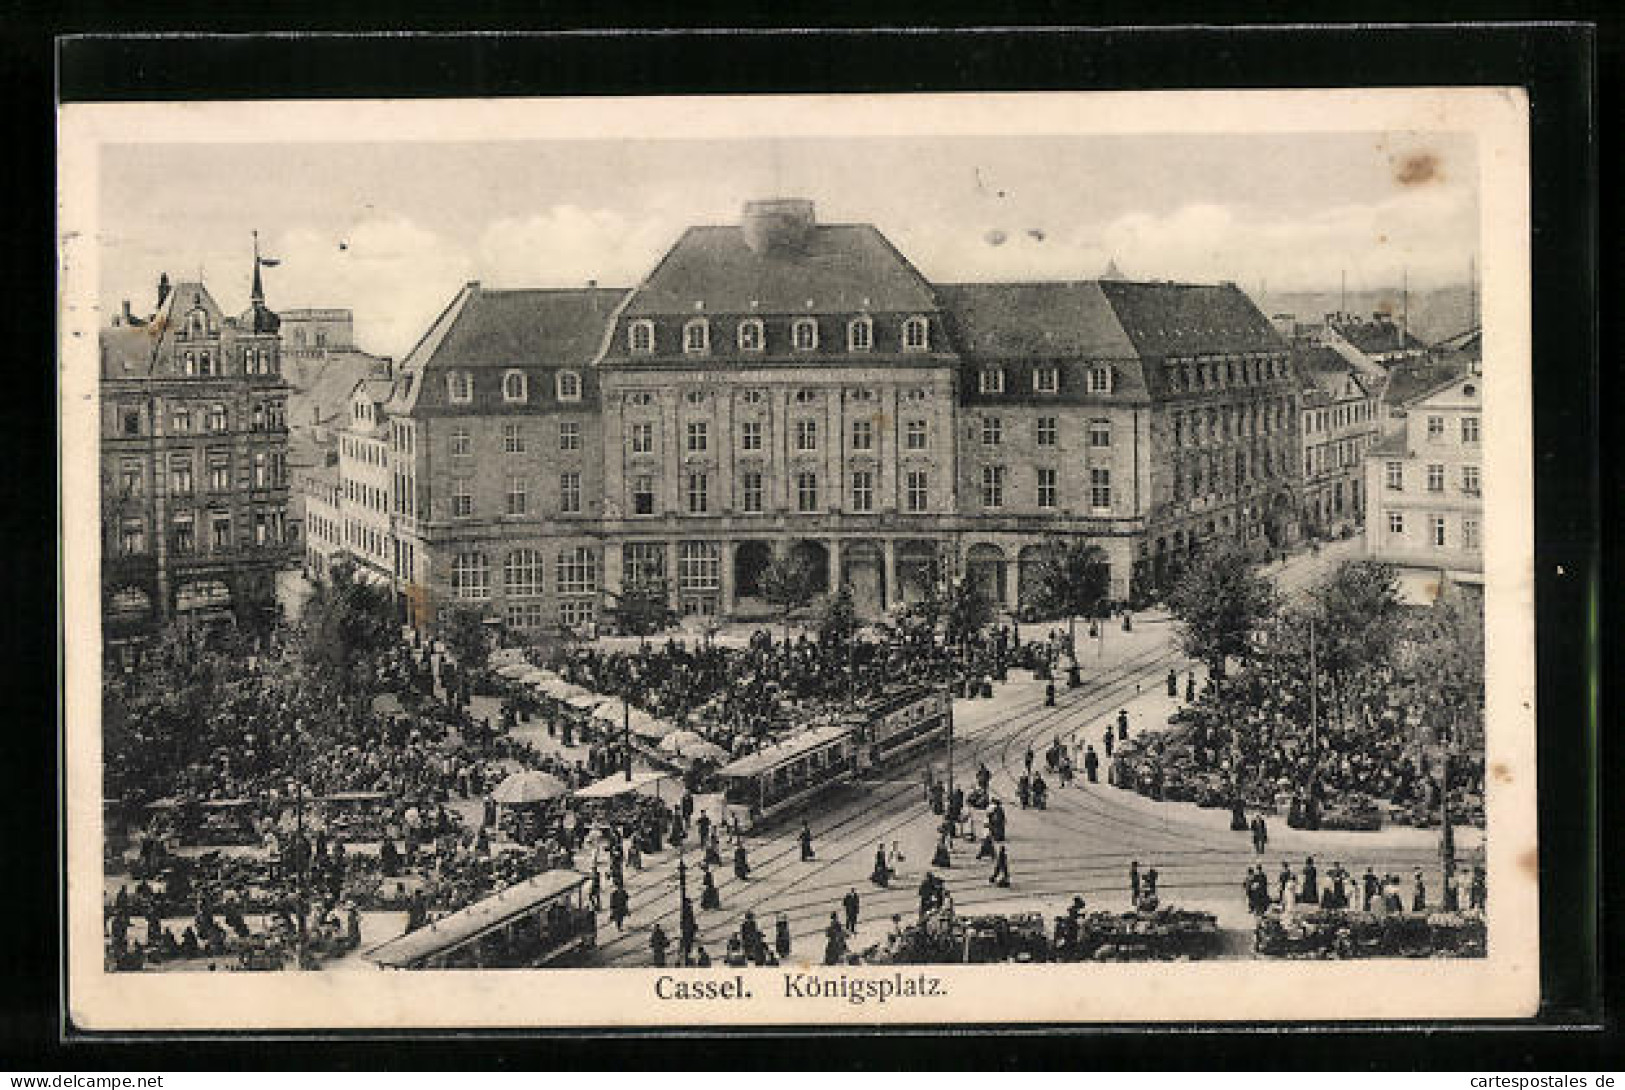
1556, 63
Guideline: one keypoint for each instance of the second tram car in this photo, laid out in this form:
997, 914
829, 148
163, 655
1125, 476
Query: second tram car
899, 723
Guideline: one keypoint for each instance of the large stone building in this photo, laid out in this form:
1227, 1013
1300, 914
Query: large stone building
1424, 487
193, 461
785, 384
1342, 418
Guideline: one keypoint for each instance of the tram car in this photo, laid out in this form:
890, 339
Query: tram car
899, 723
783, 777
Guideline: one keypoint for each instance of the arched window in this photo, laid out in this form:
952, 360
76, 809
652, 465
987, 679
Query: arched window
514, 387
460, 387
751, 337
205, 363
804, 334
916, 335
860, 335
522, 573
568, 386
640, 337
471, 576
189, 363
696, 337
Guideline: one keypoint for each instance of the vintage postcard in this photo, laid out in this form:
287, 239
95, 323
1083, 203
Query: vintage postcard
1014, 559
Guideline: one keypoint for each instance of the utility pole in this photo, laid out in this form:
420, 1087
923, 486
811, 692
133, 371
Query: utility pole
948, 696
626, 737
1314, 730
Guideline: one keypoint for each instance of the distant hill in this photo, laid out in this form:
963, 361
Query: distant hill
1434, 315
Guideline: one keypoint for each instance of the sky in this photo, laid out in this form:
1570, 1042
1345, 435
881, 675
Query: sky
392, 230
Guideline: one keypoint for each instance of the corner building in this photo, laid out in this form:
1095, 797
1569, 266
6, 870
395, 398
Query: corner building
789, 385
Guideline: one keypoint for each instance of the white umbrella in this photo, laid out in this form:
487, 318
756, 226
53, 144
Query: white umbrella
612, 711
527, 787
678, 741
512, 670
647, 726
703, 750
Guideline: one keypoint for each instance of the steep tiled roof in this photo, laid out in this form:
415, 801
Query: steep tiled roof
841, 268
1166, 319
1046, 320
1376, 335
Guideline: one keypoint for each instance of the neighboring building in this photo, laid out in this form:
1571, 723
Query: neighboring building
1379, 337
1341, 419
1425, 506
785, 384
364, 481
194, 462
320, 493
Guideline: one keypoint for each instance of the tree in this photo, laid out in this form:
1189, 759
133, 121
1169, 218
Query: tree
1071, 576
839, 621
1358, 618
348, 621
968, 610
642, 608
787, 585
463, 629
1219, 603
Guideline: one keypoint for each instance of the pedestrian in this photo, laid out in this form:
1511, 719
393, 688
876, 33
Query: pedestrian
1150, 883
701, 958
1371, 888
595, 893
1190, 687
781, 936
1040, 792
1049, 695
702, 825
1001, 870
1134, 882
1091, 765
834, 941
941, 857
687, 928
1028, 760
1419, 895
1106, 739
996, 821
618, 906
658, 944
850, 903
1478, 891
1173, 684
1261, 834
710, 899
1024, 790
741, 864
1122, 724
1309, 888
806, 843
986, 851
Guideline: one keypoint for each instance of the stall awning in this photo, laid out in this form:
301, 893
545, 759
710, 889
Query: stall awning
643, 783
480, 918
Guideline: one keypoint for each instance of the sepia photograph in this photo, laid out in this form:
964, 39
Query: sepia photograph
674, 562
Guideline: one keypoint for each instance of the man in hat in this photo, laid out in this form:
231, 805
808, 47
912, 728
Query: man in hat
851, 904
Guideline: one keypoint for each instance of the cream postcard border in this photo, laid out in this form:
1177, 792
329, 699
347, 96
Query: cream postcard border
1505, 984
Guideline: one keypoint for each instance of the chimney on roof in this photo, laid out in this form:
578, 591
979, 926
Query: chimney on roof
777, 226
163, 288
129, 319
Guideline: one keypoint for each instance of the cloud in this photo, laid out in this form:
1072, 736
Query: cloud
393, 273
567, 245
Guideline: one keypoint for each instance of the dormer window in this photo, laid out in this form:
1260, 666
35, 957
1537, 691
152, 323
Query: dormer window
197, 324
460, 387
990, 380
804, 334
1100, 380
640, 337
860, 335
1046, 380
916, 335
696, 337
567, 386
515, 389
751, 338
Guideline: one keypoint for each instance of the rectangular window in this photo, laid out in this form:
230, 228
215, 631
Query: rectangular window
1394, 476
131, 420
1046, 380
806, 492
216, 420
577, 571
518, 497
1436, 525
220, 533
1100, 489
1469, 480
129, 477
132, 537
461, 387
699, 567
1046, 487
219, 472
569, 435
643, 495
180, 420
1469, 429
750, 435
462, 499
917, 491
1100, 433
643, 438
524, 614
180, 476
570, 493
184, 540
1100, 380
992, 486
915, 434
643, 561
990, 380
697, 493
806, 435
1396, 522
697, 437
462, 443
1435, 477
750, 493
1435, 428
863, 435
640, 336
1045, 433
513, 440
863, 490
1469, 533
992, 431
576, 612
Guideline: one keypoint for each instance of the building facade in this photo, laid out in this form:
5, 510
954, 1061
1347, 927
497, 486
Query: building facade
1425, 506
1342, 418
194, 470
783, 384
